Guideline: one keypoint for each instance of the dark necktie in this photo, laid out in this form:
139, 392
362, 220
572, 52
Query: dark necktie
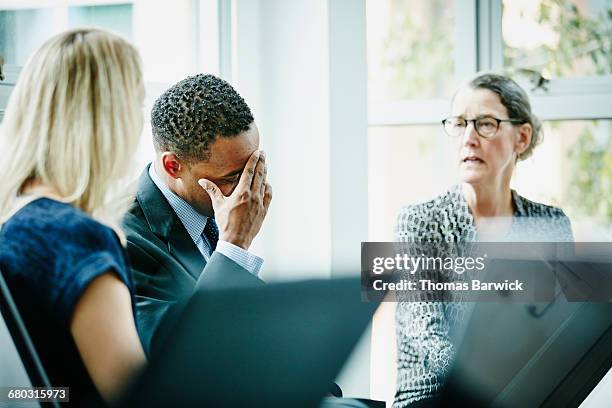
211, 232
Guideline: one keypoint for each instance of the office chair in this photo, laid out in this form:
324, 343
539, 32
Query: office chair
23, 343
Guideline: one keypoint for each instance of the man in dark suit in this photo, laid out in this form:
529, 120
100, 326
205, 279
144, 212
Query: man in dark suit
199, 204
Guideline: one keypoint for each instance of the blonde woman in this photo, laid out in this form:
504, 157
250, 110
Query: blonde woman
70, 130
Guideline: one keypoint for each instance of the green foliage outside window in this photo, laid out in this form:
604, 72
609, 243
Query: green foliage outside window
584, 45
416, 60
589, 190
590, 186
418, 48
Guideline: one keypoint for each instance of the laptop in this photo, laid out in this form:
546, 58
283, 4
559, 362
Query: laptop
278, 345
544, 354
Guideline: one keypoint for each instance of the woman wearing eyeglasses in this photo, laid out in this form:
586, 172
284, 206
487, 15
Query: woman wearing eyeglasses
494, 130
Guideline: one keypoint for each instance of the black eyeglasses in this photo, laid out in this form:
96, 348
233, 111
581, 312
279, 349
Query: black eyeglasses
486, 126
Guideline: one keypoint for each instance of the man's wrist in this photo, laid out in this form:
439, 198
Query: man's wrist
236, 240
242, 257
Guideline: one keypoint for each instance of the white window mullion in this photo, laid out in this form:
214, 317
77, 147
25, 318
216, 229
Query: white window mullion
576, 107
36, 4
466, 39
495, 31
572, 98
226, 40
207, 36
490, 45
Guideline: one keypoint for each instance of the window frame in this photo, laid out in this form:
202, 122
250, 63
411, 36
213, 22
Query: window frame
580, 98
210, 33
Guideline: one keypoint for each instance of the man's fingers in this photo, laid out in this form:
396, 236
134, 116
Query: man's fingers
267, 195
264, 182
259, 179
247, 174
213, 191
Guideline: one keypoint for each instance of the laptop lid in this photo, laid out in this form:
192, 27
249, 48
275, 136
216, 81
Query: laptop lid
541, 354
277, 345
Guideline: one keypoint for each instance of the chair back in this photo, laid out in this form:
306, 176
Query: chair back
21, 365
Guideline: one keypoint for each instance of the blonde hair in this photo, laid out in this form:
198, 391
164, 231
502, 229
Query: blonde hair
73, 123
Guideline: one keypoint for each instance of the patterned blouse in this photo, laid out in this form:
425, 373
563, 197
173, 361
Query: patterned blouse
424, 329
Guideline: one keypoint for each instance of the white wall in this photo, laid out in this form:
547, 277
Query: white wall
281, 69
301, 66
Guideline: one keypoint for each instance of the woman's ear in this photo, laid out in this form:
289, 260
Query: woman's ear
525, 133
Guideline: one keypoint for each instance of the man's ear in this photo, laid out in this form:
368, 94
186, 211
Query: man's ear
172, 165
525, 133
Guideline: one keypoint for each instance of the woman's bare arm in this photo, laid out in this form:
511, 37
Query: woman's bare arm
105, 334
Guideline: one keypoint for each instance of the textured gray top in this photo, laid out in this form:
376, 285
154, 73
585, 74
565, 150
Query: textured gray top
424, 328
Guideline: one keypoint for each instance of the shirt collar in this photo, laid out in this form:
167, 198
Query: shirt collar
519, 208
193, 221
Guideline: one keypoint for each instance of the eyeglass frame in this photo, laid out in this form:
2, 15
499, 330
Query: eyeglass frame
467, 122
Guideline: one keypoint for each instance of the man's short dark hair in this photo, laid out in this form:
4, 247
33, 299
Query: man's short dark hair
188, 116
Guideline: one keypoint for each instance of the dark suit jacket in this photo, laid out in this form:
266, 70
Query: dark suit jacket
166, 264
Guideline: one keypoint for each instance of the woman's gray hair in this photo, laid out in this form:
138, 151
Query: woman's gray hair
516, 101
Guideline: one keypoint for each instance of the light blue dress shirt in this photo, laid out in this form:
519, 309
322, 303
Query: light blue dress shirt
195, 222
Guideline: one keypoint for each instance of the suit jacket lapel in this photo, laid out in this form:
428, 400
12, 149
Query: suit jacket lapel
164, 223
182, 247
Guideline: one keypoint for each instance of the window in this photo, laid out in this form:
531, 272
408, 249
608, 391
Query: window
560, 39
573, 164
406, 165
23, 30
410, 92
560, 51
574, 171
402, 34
172, 45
